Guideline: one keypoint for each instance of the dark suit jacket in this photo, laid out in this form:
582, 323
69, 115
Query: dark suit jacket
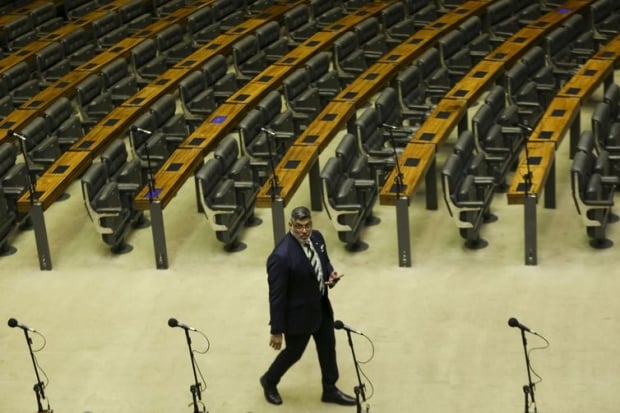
295, 302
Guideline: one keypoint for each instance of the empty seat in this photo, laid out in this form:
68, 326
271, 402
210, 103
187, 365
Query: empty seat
468, 198
135, 15
104, 206
593, 195
172, 44
14, 178
248, 58
538, 71
395, 23
434, 75
298, 24
478, 40
281, 122
109, 30
422, 12
76, 8
165, 7
42, 149
63, 122
357, 164
223, 82
51, 63
523, 92
326, 12
202, 26
581, 38
263, 149
227, 194
45, 18
605, 129
604, 21
301, 97
349, 202
150, 148
371, 139
322, 77
168, 122
349, 57
79, 46
371, 39
6, 101
197, 99
501, 20
612, 98
455, 55
146, 62
21, 83
8, 221
411, 95
17, 33
94, 103
229, 13
270, 42
119, 81
396, 127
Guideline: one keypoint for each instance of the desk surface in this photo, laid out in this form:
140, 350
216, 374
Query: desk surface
403, 54
541, 157
215, 127
15, 121
220, 45
291, 171
65, 86
367, 84
556, 121
54, 182
348, 21
477, 81
516, 45
587, 79
269, 79
441, 122
167, 82
414, 163
318, 42
327, 124
171, 176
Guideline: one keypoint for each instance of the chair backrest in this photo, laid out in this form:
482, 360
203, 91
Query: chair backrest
534, 59
93, 180
392, 14
36, 131
344, 46
388, 107
215, 68
143, 53
369, 132
470, 29
163, 109
367, 29
17, 75
191, 85
43, 13
612, 98
245, 49
270, 106
601, 123
49, 56
58, 112
145, 121
250, 128
88, 89
267, 34
296, 17
8, 156
169, 37
133, 10
318, 65
295, 84
409, 86
496, 98
114, 71
75, 40
482, 122
450, 44
227, 152
115, 156
428, 62
106, 23
200, 19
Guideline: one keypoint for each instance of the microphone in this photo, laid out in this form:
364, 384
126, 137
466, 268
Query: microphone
146, 131
339, 325
11, 132
513, 322
268, 131
14, 323
526, 127
174, 323
394, 127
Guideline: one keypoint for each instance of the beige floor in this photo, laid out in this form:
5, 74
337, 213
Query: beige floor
439, 328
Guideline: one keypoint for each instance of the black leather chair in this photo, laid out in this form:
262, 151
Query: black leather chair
8, 221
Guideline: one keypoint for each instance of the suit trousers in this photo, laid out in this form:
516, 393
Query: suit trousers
295, 344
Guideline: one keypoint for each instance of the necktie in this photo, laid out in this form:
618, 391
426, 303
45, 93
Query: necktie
314, 261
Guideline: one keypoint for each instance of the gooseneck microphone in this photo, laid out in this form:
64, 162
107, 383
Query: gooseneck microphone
174, 323
513, 322
11, 132
339, 325
145, 131
14, 323
267, 131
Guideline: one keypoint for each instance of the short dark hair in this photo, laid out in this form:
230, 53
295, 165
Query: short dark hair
299, 213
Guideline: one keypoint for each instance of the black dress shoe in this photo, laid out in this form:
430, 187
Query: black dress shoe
271, 392
338, 397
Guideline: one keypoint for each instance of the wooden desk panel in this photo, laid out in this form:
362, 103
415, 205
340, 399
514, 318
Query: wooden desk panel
220, 45
327, 124
553, 18
439, 125
111, 127
319, 42
55, 181
541, 157
121, 49
587, 79
556, 121
414, 164
171, 176
456, 16
65, 86
215, 127
515, 46
269, 79
16, 120
177, 16
477, 81
367, 84
166, 83
291, 171
403, 54
347, 22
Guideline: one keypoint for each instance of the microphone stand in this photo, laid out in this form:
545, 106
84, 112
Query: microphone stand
399, 173
274, 178
528, 389
150, 179
360, 394
527, 177
195, 388
39, 387
31, 179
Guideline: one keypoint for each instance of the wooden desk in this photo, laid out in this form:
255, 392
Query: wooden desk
24, 54
65, 86
516, 45
403, 54
220, 45
225, 118
456, 16
441, 122
16, 120
553, 18
269, 79
167, 82
367, 84
177, 16
111, 127
327, 124
541, 159
121, 49
477, 81
347, 22
588, 79
318, 42
416, 162
561, 114
168, 180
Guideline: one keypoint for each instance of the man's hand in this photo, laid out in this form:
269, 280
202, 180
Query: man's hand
275, 341
333, 279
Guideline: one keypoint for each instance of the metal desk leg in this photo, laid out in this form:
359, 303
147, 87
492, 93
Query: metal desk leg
529, 217
277, 216
550, 187
402, 229
315, 188
40, 234
159, 235
431, 186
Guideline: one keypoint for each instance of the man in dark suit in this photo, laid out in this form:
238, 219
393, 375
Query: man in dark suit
299, 275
